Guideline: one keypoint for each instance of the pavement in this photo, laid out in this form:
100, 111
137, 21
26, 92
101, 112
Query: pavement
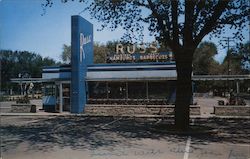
79, 137
207, 104
66, 136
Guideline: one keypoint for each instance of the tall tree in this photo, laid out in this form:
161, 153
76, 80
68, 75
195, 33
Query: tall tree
66, 54
203, 59
24, 62
180, 24
100, 52
236, 61
244, 52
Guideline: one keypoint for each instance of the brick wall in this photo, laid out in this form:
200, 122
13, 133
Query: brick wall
23, 108
132, 110
232, 110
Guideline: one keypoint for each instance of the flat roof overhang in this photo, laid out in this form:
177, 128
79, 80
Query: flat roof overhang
194, 78
132, 79
66, 80
38, 80
220, 77
26, 80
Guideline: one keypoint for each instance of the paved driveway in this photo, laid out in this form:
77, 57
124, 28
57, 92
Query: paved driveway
76, 137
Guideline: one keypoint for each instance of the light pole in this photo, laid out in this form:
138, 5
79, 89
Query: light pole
21, 82
228, 40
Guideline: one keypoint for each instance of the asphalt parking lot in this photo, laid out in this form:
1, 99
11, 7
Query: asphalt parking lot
78, 137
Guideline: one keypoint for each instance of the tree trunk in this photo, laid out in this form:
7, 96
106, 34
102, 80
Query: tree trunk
183, 89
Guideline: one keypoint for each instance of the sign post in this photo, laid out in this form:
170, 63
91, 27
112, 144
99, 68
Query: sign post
81, 56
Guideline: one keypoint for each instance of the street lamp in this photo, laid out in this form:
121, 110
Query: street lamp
21, 82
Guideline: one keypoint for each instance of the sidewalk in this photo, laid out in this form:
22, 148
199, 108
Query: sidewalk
36, 114
206, 111
66, 137
202, 116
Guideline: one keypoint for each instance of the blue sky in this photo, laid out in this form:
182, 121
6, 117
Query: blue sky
23, 28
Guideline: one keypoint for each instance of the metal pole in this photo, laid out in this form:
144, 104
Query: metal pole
228, 57
127, 90
107, 90
147, 89
60, 97
21, 89
228, 40
228, 64
237, 87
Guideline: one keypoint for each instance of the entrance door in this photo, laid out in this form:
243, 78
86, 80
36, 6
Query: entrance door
66, 96
62, 97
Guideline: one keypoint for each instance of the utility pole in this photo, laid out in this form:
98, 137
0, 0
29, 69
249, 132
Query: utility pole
228, 40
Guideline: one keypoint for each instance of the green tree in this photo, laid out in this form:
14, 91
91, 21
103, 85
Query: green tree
180, 24
244, 52
111, 45
203, 59
232, 63
66, 54
15, 62
100, 51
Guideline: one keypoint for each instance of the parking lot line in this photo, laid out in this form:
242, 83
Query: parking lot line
187, 148
111, 122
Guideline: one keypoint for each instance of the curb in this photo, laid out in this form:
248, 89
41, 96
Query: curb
135, 116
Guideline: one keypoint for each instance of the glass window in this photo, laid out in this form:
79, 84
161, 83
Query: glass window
117, 90
161, 89
49, 89
137, 90
97, 90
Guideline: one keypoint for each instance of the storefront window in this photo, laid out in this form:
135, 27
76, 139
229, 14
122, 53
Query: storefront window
117, 90
161, 89
97, 90
49, 90
127, 91
137, 90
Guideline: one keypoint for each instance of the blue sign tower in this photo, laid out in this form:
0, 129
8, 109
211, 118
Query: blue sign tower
81, 56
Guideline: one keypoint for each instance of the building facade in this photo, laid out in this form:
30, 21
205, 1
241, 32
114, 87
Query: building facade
71, 87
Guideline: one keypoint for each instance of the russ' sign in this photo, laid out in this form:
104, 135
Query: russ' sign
83, 41
131, 49
139, 53
81, 56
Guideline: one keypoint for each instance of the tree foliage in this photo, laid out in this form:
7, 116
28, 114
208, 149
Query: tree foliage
244, 52
24, 62
100, 51
175, 22
237, 60
66, 54
203, 60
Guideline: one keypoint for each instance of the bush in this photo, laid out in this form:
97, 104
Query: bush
2, 98
24, 100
